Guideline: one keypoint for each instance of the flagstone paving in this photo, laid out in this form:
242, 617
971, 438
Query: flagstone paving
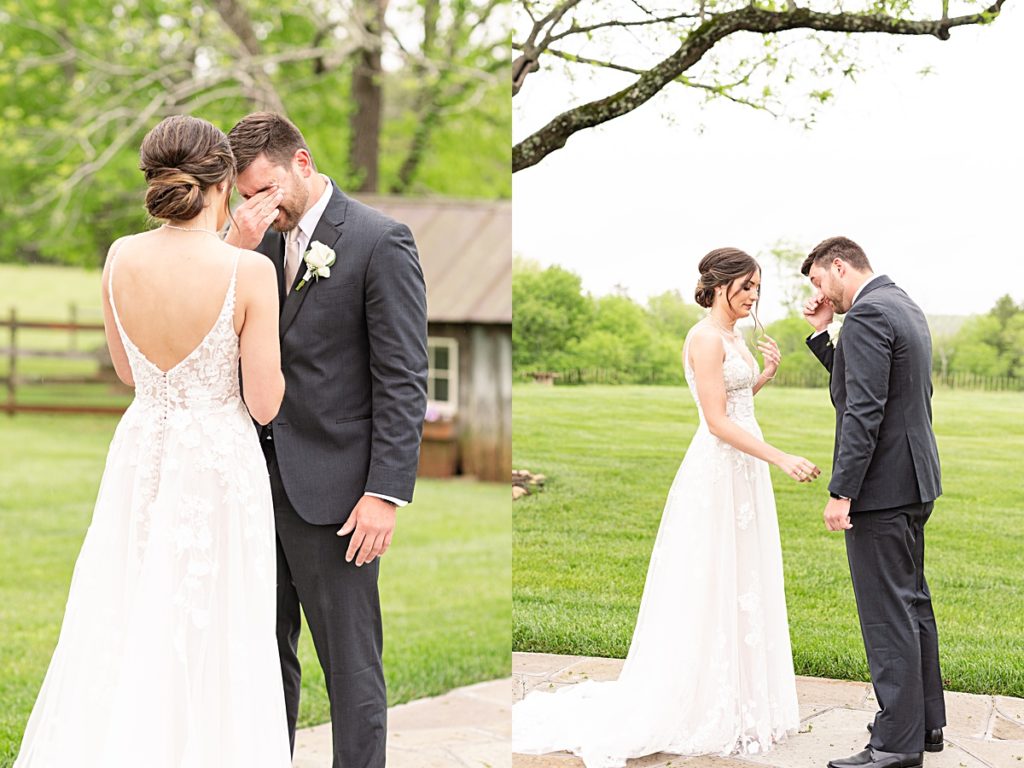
981, 732
469, 727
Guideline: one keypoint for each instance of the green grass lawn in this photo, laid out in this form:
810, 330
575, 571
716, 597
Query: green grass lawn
444, 583
581, 547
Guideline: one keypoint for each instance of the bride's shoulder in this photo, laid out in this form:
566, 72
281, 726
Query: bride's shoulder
705, 337
705, 345
256, 270
112, 251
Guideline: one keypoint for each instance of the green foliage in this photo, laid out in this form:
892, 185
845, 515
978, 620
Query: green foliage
555, 327
989, 345
798, 365
549, 314
614, 339
581, 548
83, 81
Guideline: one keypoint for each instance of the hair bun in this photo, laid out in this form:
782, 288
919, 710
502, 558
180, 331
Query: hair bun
173, 195
182, 157
704, 295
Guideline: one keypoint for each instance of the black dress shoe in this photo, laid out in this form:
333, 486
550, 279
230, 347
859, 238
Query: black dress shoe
875, 758
933, 741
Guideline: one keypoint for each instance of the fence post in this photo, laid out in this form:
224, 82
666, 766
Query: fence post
13, 361
73, 312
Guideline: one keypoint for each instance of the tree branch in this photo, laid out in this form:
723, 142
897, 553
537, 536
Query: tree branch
557, 132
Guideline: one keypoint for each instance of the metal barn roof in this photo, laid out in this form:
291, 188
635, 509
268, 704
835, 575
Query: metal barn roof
466, 251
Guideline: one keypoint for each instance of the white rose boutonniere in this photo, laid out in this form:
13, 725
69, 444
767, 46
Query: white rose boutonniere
833, 329
319, 259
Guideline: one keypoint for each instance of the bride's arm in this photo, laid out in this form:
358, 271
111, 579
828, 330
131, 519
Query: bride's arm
707, 355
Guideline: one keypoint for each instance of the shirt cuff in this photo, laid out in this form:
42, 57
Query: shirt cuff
816, 334
392, 499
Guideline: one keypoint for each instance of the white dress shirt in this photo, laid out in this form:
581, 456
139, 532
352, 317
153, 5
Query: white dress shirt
307, 225
309, 220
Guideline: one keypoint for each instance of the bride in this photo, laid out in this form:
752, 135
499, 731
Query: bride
709, 669
167, 655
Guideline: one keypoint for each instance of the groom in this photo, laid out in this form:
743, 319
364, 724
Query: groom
343, 450
885, 479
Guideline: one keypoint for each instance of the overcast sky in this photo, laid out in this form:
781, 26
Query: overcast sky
924, 172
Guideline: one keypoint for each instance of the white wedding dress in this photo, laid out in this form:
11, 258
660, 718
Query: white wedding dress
167, 656
709, 669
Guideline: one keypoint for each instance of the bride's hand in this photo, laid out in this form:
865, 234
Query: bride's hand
799, 468
772, 356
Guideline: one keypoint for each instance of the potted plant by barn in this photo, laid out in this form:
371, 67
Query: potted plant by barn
439, 452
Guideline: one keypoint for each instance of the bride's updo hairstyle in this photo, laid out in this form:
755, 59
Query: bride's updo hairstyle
720, 268
182, 157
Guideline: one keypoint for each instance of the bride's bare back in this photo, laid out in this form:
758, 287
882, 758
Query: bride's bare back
168, 297
169, 288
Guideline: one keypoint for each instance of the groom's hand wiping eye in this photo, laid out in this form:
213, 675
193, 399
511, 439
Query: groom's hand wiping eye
255, 215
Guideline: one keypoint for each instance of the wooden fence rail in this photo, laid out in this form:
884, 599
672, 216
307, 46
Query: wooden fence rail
14, 378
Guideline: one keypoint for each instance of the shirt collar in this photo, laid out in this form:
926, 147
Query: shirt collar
307, 224
862, 287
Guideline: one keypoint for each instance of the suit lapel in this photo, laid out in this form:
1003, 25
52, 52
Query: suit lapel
327, 231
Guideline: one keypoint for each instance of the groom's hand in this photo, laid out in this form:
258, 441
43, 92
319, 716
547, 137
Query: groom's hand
818, 311
252, 218
837, 515
373, 521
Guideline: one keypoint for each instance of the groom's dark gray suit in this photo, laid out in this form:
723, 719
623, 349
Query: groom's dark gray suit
887, 462
353, 352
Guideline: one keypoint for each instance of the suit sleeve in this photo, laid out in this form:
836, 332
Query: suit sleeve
822, 348
396, 323
867, 348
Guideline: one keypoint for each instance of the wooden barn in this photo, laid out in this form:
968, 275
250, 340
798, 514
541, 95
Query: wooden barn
466, 252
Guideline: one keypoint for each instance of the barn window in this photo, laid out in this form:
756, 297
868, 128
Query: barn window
443, 375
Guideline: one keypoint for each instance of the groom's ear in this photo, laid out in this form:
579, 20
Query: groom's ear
304, 161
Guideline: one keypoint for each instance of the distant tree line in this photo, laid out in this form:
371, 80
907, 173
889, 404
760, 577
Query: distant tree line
558, 328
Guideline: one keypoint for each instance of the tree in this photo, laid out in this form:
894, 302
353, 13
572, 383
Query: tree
798, 365
464, 55
671, 315
367, 95
550, 315
691, 45
83, 80
991, 344
793, 289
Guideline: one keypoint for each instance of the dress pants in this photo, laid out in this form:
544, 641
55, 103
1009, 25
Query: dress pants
342, 608
885, 549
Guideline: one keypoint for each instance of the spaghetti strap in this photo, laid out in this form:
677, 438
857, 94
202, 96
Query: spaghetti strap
110, 281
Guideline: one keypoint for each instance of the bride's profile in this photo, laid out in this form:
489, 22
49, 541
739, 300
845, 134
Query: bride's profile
167, 654
709, 668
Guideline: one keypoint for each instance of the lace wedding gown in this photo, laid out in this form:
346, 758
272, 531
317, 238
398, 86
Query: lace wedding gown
167, 656
709, 669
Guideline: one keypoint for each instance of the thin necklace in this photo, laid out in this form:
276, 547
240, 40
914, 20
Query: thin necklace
193, 229
731, 332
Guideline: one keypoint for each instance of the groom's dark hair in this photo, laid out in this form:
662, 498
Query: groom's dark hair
836, 248
265, 133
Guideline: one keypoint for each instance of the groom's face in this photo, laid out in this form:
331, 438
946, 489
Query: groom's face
263, 174
828, 280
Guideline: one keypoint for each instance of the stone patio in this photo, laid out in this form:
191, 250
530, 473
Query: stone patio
982, 731
468, 727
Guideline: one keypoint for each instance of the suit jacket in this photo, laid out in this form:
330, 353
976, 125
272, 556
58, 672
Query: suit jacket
885, 453
354, 357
